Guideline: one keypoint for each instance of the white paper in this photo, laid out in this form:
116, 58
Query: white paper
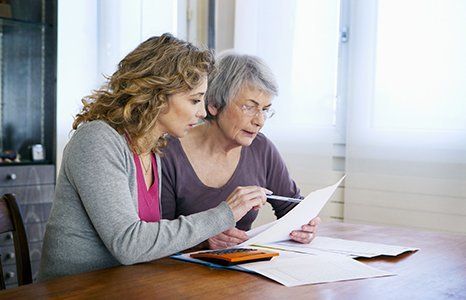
311, 269
301, 214
257, 230
340, 246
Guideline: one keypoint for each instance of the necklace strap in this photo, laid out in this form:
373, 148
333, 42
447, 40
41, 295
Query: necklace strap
146, 169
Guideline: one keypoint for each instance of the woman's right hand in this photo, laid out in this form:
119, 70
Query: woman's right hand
227, 239
245, 198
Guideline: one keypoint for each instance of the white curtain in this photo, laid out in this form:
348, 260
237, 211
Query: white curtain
406, 138
299, 40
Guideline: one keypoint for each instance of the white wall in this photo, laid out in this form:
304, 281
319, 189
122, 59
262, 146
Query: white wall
77, 67
93, 36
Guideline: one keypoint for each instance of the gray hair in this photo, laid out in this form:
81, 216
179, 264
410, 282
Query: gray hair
234, 72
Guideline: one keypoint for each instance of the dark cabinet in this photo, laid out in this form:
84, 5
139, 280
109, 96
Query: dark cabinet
28, 79
33, 186
28, 47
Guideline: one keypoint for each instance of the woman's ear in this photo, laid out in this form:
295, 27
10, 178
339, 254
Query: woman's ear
212, 110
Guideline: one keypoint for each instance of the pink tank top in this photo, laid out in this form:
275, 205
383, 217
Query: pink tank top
148, 199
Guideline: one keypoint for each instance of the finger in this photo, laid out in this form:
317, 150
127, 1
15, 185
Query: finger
248, 190
252, 200
301, 240
237, 233
256, 194
231, 240
301, 234
308, 228
228, 240
302, 237
243, 194
214, 244
314, 222
243, 190
237, 195
256, 203
267, 191
220, 244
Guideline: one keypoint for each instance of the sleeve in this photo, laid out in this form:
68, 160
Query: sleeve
168, 188
96, 168
279, 180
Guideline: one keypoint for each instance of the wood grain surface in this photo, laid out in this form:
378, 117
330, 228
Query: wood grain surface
437, 271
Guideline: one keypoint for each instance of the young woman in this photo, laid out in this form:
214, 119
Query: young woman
107, 210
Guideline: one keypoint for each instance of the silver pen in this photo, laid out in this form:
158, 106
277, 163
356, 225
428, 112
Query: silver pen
281, 198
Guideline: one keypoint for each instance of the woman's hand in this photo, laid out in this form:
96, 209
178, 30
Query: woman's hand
243, 199
226, 239
307, 233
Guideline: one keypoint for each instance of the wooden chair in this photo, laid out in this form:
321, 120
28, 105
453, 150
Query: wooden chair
10, 221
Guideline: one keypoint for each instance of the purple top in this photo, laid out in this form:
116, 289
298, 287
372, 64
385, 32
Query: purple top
260, 164
148, 199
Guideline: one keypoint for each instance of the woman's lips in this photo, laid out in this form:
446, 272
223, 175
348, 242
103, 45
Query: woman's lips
250, 133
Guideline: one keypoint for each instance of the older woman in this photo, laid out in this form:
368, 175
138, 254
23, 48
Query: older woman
106, 210
228, 150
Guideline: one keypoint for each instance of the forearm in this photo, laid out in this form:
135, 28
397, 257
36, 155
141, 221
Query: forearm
148, 241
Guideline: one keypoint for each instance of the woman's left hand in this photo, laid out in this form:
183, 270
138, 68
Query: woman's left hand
307, 233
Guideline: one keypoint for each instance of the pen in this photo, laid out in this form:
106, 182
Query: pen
281, 198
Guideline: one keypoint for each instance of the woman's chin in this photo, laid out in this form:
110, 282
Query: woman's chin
182, 133
245, 142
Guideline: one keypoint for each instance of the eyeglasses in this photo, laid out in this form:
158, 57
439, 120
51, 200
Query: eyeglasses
253, 111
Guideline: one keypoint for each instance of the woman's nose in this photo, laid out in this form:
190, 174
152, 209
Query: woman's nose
201, 113
259, 119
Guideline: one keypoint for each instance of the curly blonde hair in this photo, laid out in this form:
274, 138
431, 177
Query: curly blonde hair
137, 93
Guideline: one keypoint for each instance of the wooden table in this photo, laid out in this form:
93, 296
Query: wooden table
437, 271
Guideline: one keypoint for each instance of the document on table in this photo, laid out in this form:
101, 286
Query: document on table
293, 269
311, 269
350, 248
302, 213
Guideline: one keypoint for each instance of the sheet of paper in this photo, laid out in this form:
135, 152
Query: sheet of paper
341, 246
257, 230
311, 269
301, 214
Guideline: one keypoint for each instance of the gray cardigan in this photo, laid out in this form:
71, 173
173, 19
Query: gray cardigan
94, 221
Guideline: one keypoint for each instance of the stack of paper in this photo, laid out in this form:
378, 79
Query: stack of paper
293, 269
309, 269
326, 245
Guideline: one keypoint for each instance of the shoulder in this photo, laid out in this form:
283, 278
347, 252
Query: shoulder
171, 154
172, 148
263, 149
96, 136
262, 143
96, 130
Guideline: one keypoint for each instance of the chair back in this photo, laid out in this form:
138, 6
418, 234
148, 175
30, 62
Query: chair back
11, 221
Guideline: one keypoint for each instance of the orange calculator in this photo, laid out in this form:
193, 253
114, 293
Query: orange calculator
228, 257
